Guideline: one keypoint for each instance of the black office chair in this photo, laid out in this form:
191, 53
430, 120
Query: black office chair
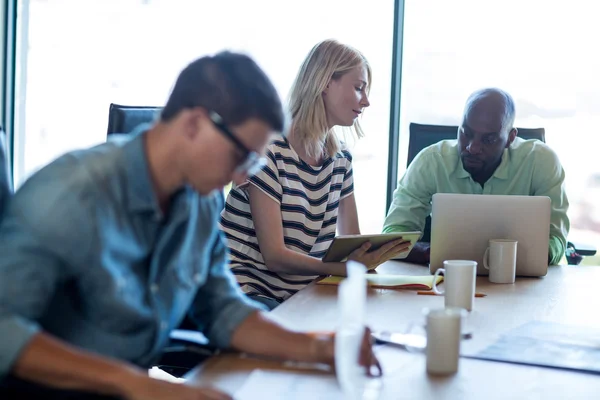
187, 347
6, 186
123, 119
423, 135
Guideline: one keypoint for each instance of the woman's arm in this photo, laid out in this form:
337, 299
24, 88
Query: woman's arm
348, 216
266, 215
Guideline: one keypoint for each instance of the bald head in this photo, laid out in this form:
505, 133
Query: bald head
486, 131
491, 107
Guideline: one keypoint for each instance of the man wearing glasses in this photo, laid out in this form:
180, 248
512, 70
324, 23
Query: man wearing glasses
487, 158
106, 250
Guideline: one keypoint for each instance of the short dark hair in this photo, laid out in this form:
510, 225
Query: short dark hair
230, 84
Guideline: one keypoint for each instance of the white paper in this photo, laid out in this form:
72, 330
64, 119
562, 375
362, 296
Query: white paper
277, 385
158, 373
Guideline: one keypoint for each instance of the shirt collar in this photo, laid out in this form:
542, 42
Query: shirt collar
140, 190
501, 171
460, 170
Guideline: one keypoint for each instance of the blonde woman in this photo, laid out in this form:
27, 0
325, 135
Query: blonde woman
280, 223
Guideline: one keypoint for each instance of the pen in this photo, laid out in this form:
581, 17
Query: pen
429, 293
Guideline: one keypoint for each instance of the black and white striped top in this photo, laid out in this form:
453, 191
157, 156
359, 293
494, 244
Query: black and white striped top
309, 198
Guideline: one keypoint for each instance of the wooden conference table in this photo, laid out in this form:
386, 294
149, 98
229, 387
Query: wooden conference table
568, 294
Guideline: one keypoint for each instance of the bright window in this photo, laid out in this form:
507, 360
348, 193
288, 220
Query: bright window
76, 57
540, 51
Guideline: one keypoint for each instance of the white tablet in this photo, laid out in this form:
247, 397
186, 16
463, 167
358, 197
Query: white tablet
342, 246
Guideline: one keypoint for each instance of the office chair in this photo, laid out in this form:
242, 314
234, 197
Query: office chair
123, 119
6, 187
422, 135
187, 347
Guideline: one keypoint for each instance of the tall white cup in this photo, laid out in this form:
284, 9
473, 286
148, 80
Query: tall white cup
459, 283
352, 296
443, 340
500, 258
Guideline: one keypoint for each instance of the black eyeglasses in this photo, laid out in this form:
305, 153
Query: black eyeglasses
253, 161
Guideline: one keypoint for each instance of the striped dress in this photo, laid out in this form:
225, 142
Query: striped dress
309, 198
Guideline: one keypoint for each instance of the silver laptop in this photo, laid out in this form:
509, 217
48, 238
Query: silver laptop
462, 225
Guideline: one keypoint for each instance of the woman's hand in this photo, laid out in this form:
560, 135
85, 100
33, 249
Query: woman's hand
372, 259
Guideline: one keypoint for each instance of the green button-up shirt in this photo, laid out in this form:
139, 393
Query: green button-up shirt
528, 167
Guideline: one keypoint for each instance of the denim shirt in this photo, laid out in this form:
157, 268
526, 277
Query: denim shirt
87, 255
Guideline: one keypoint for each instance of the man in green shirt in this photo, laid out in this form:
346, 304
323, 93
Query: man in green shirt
486, 158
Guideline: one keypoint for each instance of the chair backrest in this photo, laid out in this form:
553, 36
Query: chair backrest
6, 187
422, 135
123, 119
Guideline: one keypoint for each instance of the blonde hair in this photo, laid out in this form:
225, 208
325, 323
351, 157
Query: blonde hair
328, 60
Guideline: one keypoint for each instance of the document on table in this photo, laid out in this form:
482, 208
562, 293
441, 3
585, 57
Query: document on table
276, 385
548, 344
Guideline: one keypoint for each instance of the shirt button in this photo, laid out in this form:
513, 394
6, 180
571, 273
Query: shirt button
163, 325
197, 277
154, 288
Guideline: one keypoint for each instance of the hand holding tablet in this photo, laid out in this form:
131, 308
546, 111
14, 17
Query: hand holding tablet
375, 249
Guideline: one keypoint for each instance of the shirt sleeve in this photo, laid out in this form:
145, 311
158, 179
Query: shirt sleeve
44, 235
348, 184
549, 180
267, 179
219, 306
29, 274
411, 203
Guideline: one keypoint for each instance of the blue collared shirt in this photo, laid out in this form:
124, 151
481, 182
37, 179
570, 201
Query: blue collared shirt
87, 255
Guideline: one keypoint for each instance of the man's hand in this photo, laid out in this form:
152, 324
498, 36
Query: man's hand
139, 386
419, 254
322, 350
261, 335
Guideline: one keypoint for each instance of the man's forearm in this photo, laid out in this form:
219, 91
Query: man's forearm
261, 336
405, 218
394, 228
556, 250
50, 362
